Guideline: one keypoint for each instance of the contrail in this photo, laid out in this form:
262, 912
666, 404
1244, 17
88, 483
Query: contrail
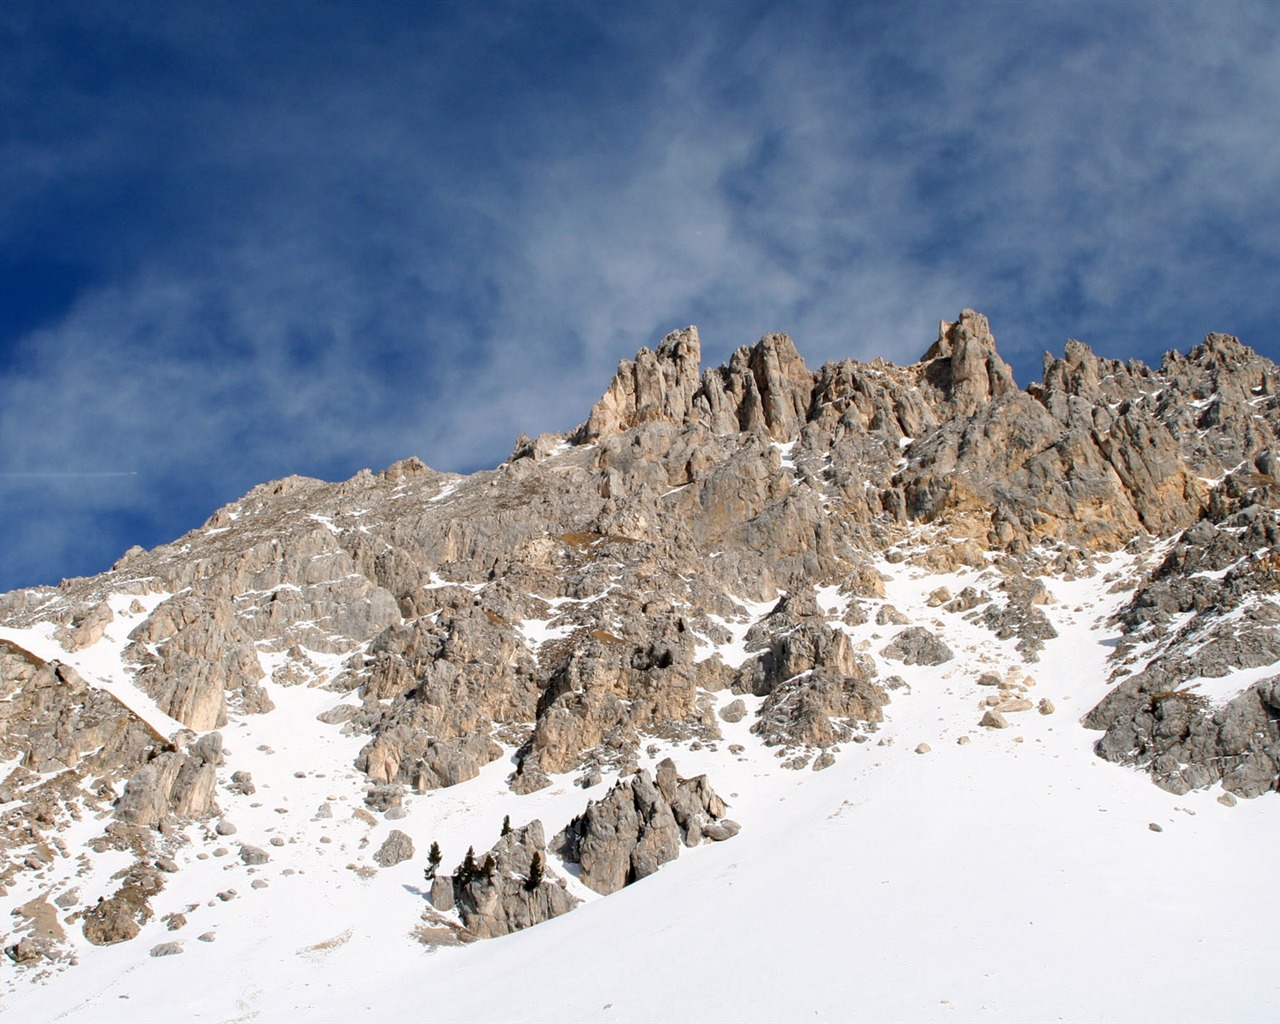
62, 475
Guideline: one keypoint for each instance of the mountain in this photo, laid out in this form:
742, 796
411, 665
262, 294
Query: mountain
863, 692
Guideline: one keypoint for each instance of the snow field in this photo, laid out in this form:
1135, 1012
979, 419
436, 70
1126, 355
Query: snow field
1012, 877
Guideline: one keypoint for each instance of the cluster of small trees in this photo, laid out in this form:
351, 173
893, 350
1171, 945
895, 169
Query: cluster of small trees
469, 870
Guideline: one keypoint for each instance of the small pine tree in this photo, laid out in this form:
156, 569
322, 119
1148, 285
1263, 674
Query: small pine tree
433, 861
490, 866
468, 870
506, 825
535, 873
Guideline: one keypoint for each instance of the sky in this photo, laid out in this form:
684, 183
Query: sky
244, 240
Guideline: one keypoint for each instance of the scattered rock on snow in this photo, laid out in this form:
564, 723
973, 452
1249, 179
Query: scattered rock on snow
166, 949
915, 645
397, 847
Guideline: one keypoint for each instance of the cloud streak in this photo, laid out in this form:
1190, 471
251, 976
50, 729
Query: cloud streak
285, 238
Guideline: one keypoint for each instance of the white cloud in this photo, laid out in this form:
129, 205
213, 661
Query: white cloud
330, 266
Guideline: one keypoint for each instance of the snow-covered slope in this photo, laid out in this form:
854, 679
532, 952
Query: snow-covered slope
838, 694
1003, 875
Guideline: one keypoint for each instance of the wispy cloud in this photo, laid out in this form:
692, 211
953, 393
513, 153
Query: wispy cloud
312, 238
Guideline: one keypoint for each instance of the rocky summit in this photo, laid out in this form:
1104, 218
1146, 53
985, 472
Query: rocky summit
757, 563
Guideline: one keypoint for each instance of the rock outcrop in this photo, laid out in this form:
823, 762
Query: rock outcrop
640, 825
511, 888
181, 783
706, 538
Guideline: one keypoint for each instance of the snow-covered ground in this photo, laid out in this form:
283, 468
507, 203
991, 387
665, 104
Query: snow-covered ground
1013, 876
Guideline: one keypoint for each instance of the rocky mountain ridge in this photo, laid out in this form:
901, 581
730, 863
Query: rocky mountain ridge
708, 548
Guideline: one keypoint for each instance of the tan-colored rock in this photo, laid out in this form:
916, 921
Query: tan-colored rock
993, 719
510, 888
640, 825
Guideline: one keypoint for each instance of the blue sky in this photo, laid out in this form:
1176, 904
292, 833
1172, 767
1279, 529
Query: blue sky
246, 240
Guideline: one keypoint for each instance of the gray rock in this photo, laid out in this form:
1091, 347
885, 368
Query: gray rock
718, 831
253, 854
442, 893
395, 849
888, 615
505, 893
166, 949
734, 711
917, 646
638, 826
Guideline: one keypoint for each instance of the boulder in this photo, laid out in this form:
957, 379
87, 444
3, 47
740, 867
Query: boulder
395, 849
917, 646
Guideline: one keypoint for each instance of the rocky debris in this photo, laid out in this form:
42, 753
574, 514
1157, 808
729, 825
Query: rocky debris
1020, 616
54, 721
821, 707
121, 916
395, 849
993, 719
1220, 577
166, 949
917, 646
734, 711
253, 854
923, 748
26, 951
888, 615
513, 886
639, 825
1045, 707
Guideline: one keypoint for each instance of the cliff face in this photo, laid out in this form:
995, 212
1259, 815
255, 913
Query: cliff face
707, 544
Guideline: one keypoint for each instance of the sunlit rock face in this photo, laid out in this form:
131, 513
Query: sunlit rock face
709, 547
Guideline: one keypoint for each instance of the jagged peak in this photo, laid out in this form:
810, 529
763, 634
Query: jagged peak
964, 364
652, 386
